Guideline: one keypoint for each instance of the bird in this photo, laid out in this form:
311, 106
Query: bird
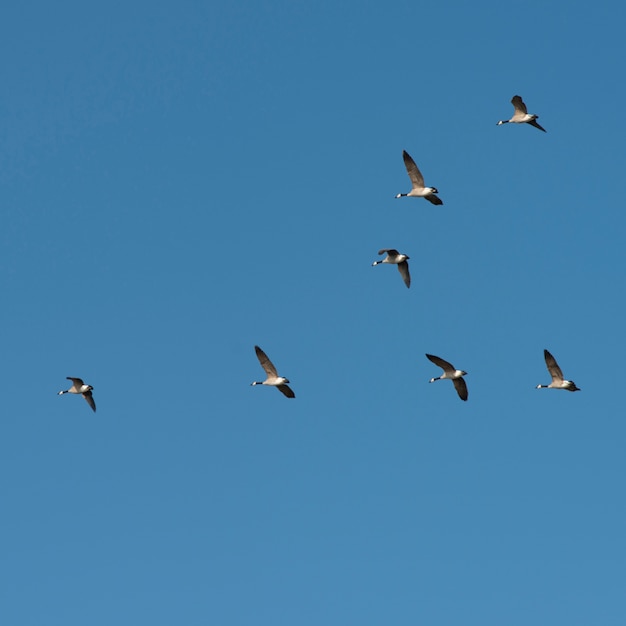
395, 258
558, 382
450, 372
417, 182
79, 387
521, 115
273, 379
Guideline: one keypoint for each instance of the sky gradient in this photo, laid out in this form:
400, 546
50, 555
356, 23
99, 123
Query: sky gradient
182, 182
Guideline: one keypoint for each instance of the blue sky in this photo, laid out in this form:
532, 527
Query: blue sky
183, 181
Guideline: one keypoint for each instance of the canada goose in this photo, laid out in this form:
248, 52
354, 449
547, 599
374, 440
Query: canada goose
395, 258
417, 182
450, 372
521, 115
79, 387
558, 382
273, 379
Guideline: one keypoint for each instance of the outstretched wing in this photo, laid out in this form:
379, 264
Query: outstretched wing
518, 105
434, 199
537, 125
266, 364
403, 268
413, 171
461, 387
389, 251
553, 367
447, 367
286, 390
90, 401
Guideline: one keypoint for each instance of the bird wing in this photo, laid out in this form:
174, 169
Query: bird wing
434, 199
266, 364
413, 171
77, 382
537, 125
403, 268
286, 390
553, 367
389, 251
461, 387
518, 105
90, 401
447, 367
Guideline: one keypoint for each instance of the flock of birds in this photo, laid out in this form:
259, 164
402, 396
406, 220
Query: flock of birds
449, 373
393, 257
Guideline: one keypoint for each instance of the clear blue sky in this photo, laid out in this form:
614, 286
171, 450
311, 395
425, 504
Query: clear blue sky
182, 181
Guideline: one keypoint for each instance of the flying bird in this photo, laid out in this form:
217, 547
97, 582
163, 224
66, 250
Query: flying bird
417, 182
451, 373
79, 387
273, 379
558, 382
521, 115
395, 258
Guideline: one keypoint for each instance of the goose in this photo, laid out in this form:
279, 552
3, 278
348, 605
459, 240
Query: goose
521, 115
417, 182
273, 379
450, 372
395, 258
558, 382
79, 387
